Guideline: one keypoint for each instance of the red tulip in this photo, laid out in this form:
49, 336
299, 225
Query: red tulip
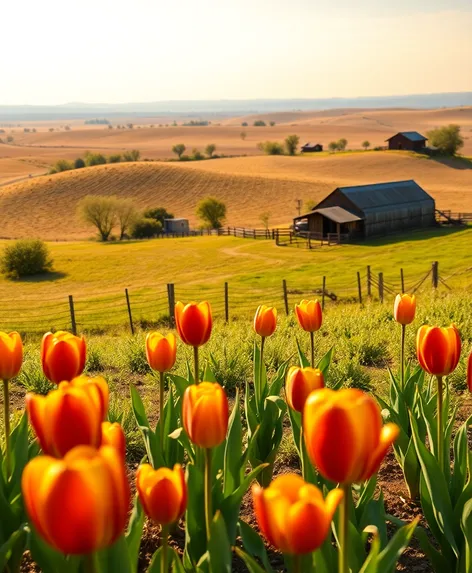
438, 349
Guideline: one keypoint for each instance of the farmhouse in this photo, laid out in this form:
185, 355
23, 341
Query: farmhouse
409, 140
370, 210
311, 147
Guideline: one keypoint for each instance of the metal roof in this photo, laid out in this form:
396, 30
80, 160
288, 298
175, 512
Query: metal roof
337, 214
311, 145
386, 196
411, 135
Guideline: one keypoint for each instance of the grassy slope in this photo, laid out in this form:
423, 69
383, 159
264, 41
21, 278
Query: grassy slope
200, 266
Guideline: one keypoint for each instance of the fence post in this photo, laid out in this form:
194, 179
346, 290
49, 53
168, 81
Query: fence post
226, 303
254, 233
171, 299
435, 274
129, 311
323, 293
290, 237
381, 287
72, 315
359, 288
277, 238
402, 280
369, 282
284, 284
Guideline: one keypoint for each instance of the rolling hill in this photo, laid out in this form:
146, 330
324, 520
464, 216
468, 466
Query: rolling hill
45, 206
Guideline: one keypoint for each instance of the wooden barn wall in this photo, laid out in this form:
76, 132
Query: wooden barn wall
338, 199
408, 217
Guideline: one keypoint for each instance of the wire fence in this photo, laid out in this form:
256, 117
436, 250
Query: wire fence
229, 301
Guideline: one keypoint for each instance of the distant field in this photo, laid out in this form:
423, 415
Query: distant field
97, 274
46, 206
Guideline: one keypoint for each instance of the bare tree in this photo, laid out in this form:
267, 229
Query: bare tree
265, 218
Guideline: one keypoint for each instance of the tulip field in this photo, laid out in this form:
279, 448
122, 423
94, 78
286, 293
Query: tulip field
263, 446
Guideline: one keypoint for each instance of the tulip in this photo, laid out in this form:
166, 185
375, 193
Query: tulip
469, 372
265, 320
97, 388
161, 352
194, 322
69, 416
344, 435
438, 351
310, 317
78, 504
300, 383
11, 357
404, 309
62, 356
113, 435
346, 441
205, 419
293, 515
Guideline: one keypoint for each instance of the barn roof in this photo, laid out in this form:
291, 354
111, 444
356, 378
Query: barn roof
337, 214
311, 145
385, 196
411, 135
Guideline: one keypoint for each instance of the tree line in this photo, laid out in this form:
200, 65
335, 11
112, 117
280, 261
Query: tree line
90, 159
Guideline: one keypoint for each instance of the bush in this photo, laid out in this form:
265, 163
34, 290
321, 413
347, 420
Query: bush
62, 165
447, 139
197, 155
244, 124
25, 257
212, 212
116, 158
291, 144
145, 228
259, 123
79, 163
158, 214
92, 159
271, 147
133, 155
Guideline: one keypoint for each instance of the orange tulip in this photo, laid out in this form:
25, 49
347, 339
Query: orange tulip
69, 416
469, 372
205, 414
293, 515
309, 315
62, 356
11, 355
300, 383
265, 320
193, 322
405, 308
438, 349
161, 351
162, 492
97, 388
78, 504
344, 436
113, 435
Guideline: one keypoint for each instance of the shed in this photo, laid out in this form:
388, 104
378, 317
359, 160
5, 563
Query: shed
311, 147
370, 210
409, 140
179, 226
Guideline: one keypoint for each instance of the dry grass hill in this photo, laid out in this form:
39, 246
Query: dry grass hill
46, 206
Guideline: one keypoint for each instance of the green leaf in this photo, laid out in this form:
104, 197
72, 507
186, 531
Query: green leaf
195, 534
150, 439
181, 436
11, 552
134, 532
177, 566
304, 362
370, 564
459, 473
466, 525
209, 375
181, 383
219, 547
48, 558
325, 363
250, 562
173, 450
115, 559
156, 565
388, 557
234, 461
253, 543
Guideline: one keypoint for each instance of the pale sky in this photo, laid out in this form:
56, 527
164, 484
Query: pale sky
60, 51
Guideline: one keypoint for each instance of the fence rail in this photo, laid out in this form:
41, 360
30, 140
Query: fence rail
229, 301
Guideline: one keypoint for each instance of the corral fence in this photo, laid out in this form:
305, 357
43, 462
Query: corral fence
230, 301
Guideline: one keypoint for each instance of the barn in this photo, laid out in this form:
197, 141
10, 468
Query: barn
176, 226
409, 140
311, 147
370, 210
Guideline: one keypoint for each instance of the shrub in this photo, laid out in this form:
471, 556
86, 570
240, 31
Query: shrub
197, 155
447, 139
159, 214
333, 146
272, 123
94, 360
244, 124
145, 228
271, 147
31, 376
25, 257
135, 356
259, 123
115, 158
291, 144
79, 163
63, 165
243, 135
133, 155
212, 212
92, 159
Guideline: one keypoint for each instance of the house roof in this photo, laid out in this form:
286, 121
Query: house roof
385, 196
337, 214
411, 135
311, 145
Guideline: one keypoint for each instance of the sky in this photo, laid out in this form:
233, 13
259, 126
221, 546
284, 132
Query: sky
113, 51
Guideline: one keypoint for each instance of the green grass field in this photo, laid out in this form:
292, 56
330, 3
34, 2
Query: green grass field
96, 275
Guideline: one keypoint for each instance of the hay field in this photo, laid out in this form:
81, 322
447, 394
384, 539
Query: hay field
46, 206
356, 125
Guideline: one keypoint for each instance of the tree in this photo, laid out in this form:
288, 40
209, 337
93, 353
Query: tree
144, 228
178, 149
271, 147
272, 123
447, 139
79, 163
115, 158
158, 214
244, 124
243, 135
291, 144
133, 155
210, 149
265, 218
342, 143
125, 215
62, 165
197, 155
366, 144
212, 212
92, 159
259, 123
100, 211
333, 146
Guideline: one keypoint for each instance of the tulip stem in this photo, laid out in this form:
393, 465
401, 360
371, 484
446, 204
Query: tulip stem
6, 415
91, 563
161, 411
208, 500
195, 360
164, 542
402, 358
312, 342
440, 424
296, 564
344, 528
261, 366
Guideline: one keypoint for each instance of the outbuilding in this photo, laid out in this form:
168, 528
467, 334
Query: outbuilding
370, 210
311, 147
409, 140
176, 226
